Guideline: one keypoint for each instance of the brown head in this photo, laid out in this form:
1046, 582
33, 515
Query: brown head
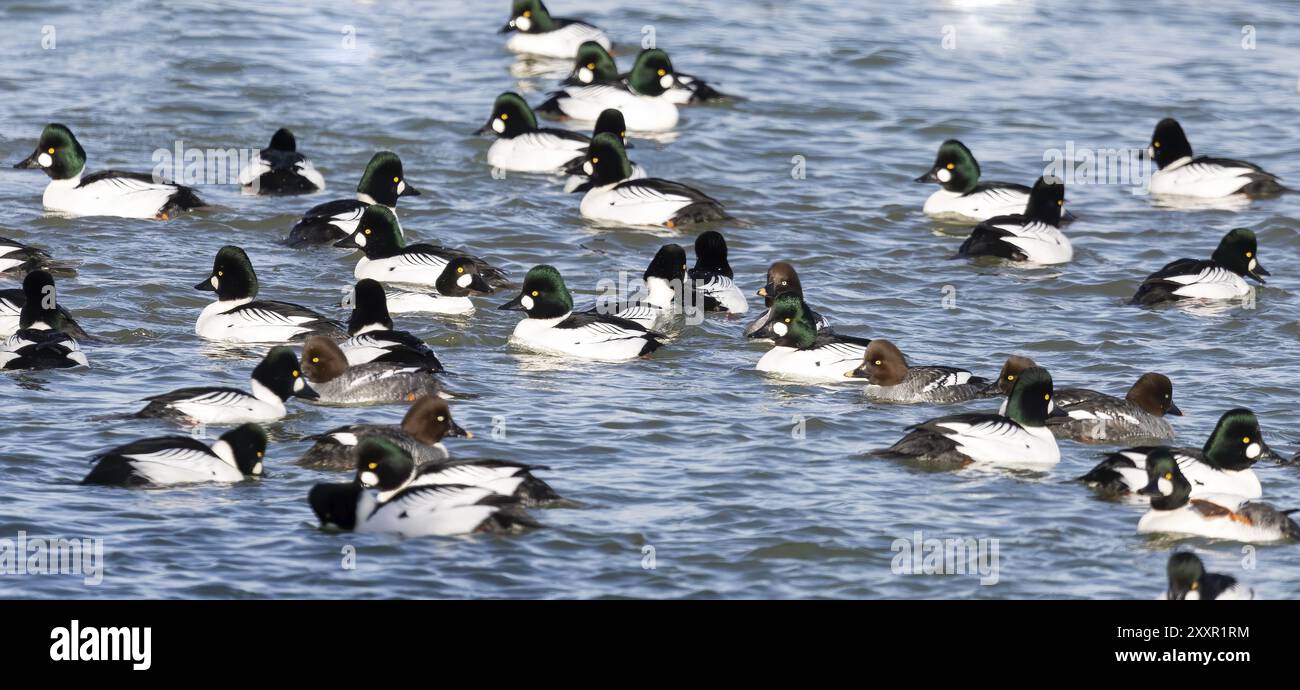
883, 364
781, 279
429, 421
1011, 371
1155, 394
322, 360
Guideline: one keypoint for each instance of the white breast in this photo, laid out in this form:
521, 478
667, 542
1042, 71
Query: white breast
600, 342
824, 364
631, 205
1199, 180
538, 152
562, 43
123, 197
640, 113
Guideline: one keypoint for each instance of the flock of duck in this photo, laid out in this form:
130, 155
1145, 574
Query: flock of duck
404, 480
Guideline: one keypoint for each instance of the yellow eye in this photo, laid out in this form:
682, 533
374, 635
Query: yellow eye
877, 362
1011, 377
1169, 476
1196, 586
460, 269
1060, 202
662, 71
1155, 144
787, 320
1249, 254
1047, 396
622, 134
1245, 439
50, 150
442, 418
260, 453
315, 360
528, 13
372, 465
951, 166
367, 231
595, 160
220, 273
505, 116
591, 65
535, 293
396, 180
296, 374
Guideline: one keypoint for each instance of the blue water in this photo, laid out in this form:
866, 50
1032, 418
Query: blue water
692, 452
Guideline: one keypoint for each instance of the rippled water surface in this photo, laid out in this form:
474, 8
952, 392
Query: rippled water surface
691, 453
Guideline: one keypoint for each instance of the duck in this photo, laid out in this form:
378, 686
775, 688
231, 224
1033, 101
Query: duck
1018, 438
337, 382
387, 260
1180, 175
962, 197
594, 65
373, 338
1064, 397
427, 422
396, 472
611, 122
1031, 236
114, 193
383, 182
237, 316
616, 198
458, 281
1216, 516
1222, 277
275, 379
1189, 581
664, 280
170, 460
522, 146
552, 327
44, 338
801, 351
781, 279
35, 287
890, 379
712, 277
279, 170
643, 97
16, 257
1097, 418
1224, 465
536, 32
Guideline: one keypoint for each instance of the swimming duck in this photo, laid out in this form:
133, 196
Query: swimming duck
890, 379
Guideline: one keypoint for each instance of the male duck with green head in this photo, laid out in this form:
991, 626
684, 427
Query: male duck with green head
552, 327
594, 65
71, 192
803, 352
536, 32
383, 183
643, 96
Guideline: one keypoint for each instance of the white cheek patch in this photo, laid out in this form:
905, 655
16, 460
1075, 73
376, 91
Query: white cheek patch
213, 280
369, 479
588, 168
298, 385
1253, 264
498, 126
45, 160
1051, 406
257, 469
585, 75
1166, 487
944, 175
464, 280
361, 239
1253, 451
401, 187
666, 81
523, 23
780, 329
527, 302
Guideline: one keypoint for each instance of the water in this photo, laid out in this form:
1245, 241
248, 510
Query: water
691, 453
